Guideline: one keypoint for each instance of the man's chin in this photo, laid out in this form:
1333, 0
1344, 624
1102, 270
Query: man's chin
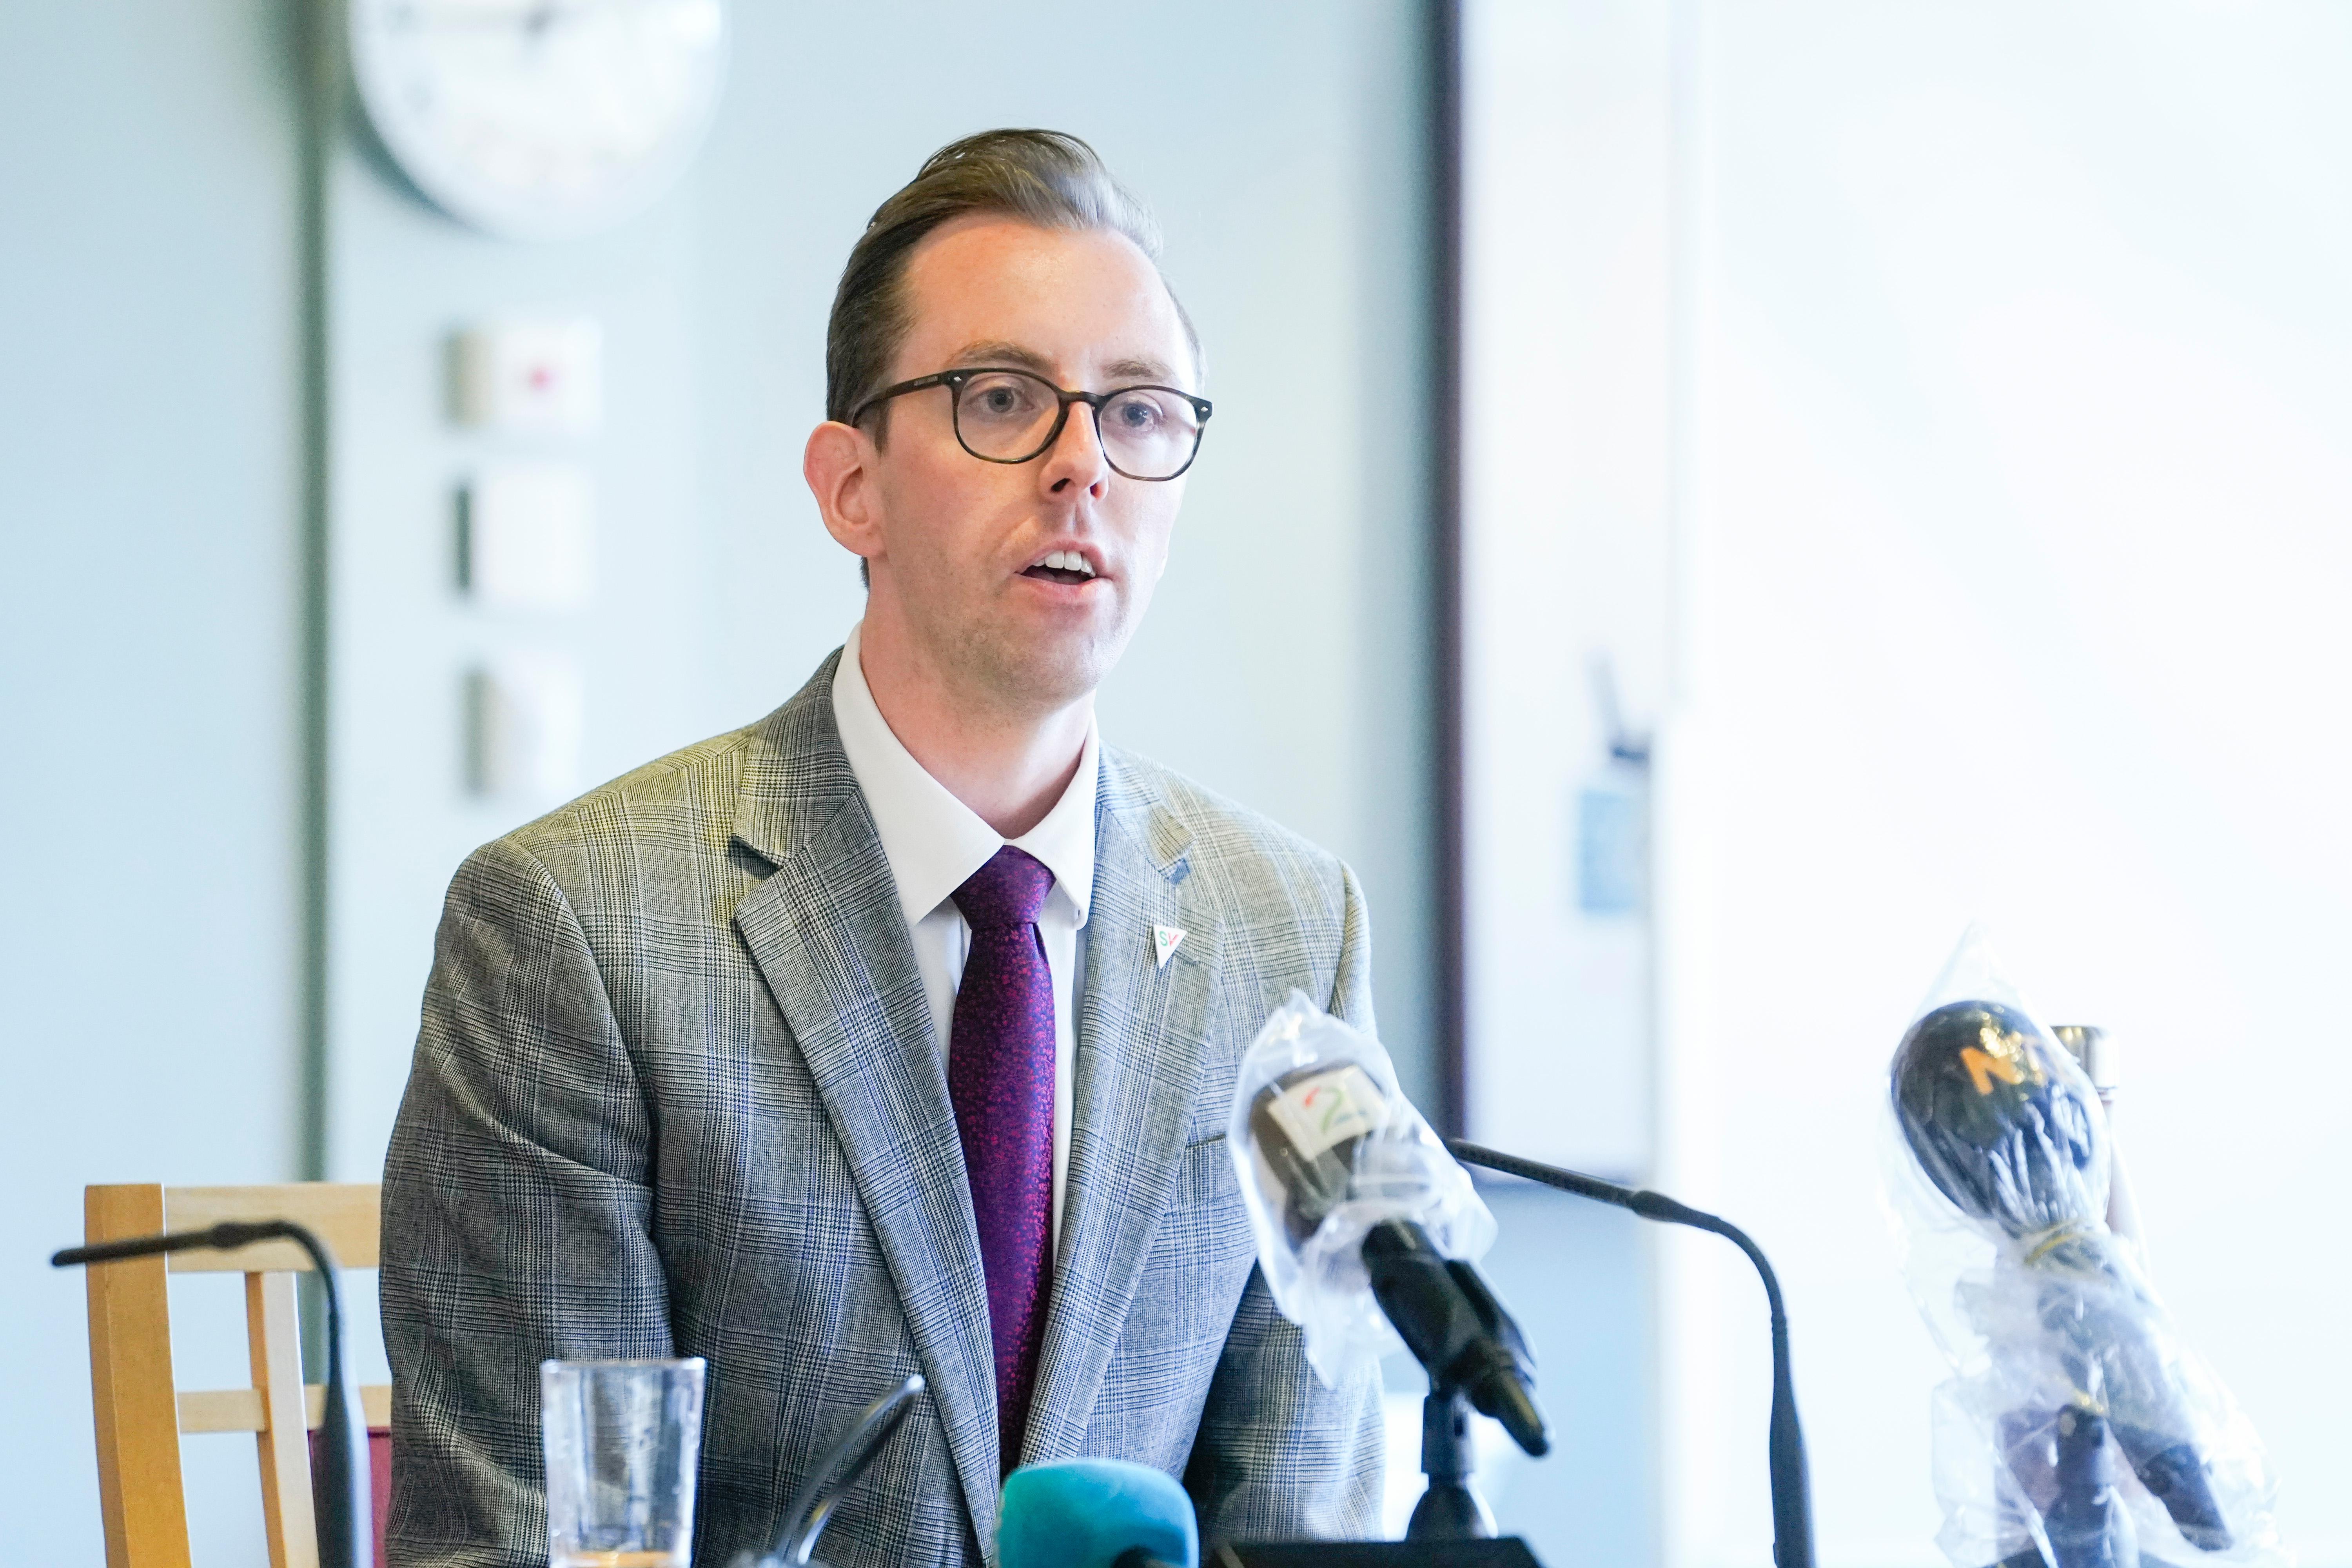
1024, 662
1059, 678
1049, 673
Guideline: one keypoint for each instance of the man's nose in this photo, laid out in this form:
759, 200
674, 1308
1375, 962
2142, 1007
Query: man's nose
1077, 460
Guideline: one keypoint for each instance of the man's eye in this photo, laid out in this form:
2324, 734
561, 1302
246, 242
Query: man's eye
1138, 415
1001, 397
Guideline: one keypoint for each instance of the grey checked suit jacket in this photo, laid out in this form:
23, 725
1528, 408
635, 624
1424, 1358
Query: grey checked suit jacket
676, 1093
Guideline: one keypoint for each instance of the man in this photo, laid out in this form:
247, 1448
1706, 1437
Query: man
894, 1033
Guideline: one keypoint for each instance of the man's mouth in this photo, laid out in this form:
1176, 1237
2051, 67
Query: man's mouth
1070, 566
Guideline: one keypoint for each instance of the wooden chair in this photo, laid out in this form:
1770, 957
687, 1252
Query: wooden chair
142, 1412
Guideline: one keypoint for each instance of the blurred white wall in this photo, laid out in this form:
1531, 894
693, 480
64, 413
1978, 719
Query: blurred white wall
2016, 571
1567, 440
1568, 496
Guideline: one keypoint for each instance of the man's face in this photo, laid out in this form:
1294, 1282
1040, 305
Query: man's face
963, 542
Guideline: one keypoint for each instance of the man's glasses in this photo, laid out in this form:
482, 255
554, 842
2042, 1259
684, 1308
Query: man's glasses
1011, 416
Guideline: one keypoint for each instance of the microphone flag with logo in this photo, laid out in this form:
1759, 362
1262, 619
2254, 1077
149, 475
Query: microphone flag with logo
1366, 1225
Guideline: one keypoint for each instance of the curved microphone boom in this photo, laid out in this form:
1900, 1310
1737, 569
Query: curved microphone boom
340, 1484
832, 1475
1792, 1503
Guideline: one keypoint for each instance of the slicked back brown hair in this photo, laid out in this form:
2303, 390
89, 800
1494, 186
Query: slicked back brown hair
1048, 178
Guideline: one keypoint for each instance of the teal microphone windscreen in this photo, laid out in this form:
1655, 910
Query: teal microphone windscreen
1090, 1513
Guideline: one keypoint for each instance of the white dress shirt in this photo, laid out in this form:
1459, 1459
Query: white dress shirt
935, 842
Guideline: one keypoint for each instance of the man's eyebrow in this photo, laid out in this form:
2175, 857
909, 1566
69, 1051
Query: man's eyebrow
1128, 371
1135, 370
1004, 354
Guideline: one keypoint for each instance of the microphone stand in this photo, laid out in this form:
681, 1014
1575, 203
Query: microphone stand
340, 1488
1450, 1507
1792, 1504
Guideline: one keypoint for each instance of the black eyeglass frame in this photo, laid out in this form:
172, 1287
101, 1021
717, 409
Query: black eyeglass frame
954, 380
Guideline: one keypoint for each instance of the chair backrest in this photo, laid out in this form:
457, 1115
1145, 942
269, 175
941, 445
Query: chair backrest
141, 1412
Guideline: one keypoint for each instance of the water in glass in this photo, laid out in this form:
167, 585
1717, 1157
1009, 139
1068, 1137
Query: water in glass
622, 1440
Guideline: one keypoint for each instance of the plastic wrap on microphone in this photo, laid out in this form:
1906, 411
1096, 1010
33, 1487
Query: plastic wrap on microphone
1327, 1148
2077, 1424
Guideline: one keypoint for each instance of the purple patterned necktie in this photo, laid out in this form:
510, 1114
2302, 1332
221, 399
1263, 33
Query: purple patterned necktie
1000, 1081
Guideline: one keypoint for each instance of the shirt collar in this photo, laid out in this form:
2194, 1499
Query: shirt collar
933, 841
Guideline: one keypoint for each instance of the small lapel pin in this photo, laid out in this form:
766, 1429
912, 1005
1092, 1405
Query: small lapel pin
1164, 944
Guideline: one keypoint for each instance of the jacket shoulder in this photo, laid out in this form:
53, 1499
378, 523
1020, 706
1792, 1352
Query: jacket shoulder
1290, 913
687, 798
1245, 851
695, 800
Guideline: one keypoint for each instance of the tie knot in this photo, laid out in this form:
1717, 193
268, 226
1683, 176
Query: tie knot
1010, 890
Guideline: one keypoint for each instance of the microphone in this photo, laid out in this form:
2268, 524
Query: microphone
2007, 1130
1792, 1503
833, 1477
1094, 1514
1306, 1126
340, 1489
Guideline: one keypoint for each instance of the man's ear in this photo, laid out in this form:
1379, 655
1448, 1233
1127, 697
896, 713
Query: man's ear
838, 464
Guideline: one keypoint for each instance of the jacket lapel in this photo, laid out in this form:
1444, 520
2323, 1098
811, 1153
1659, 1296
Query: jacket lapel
1141, 1035
828, 936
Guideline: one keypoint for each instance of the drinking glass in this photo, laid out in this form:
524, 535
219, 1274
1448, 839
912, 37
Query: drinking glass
622, 1437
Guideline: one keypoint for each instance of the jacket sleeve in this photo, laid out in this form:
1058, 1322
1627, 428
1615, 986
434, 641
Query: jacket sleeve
517, 1214
1279, 1456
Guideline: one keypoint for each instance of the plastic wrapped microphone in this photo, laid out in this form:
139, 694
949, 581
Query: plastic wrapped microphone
1366, 1225
2077, 1426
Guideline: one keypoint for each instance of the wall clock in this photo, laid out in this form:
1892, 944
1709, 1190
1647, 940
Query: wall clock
539, 118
